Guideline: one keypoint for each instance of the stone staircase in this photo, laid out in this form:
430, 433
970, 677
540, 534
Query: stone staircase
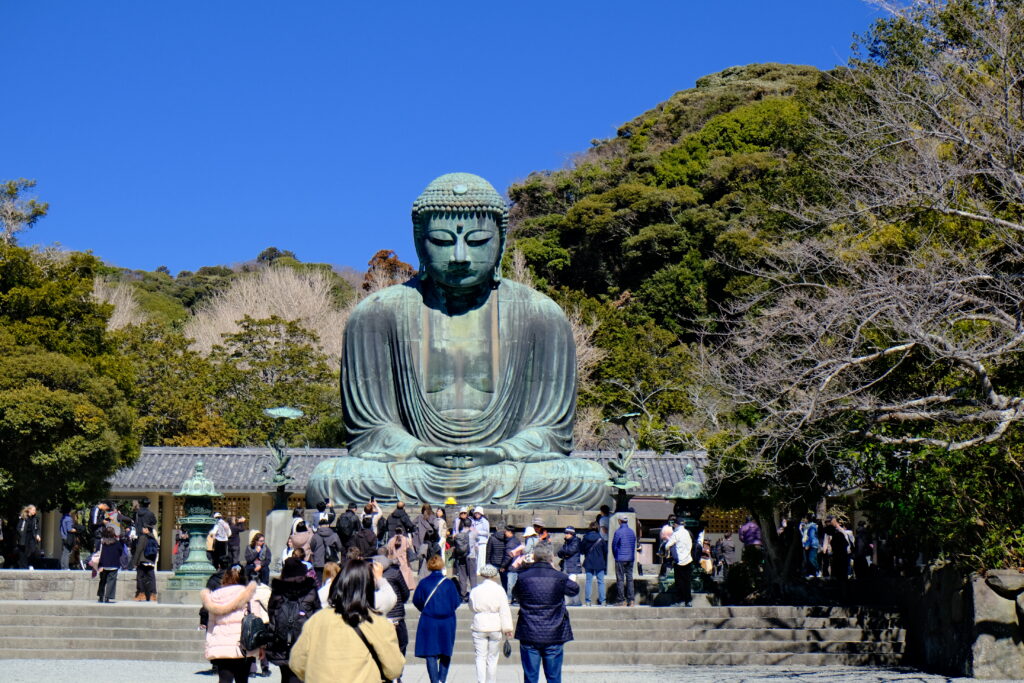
605, 636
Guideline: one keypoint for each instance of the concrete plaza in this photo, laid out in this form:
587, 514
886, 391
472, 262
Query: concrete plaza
125, 671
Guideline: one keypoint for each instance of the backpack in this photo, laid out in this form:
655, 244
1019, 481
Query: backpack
347, 527
331, 554
255, 633
461, 546
152, 549
288, 621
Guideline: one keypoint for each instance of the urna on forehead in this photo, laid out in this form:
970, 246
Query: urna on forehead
459, 193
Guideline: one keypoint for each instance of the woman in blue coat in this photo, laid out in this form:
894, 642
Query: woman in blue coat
436, 598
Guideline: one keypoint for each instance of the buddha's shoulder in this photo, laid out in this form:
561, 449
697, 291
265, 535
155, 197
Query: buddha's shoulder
520, 293
389, 299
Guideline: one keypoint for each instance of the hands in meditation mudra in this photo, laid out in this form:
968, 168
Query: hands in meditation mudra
458, 383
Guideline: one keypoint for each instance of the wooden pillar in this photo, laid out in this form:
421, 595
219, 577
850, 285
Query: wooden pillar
49, 529
167, 523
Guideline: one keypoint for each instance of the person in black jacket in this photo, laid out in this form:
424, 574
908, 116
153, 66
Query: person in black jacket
505, 569
325, 512
144, 516
570, 556
366, 539
237, 525
326, 547
28, 538
543, 626
293, 599
495, 553
399, 521
348, 526
97, 520
111, 549
393, 574
594, 549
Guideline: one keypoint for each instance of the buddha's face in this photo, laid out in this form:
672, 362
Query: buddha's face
461, 250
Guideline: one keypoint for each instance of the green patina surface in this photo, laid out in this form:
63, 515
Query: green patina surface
458, 383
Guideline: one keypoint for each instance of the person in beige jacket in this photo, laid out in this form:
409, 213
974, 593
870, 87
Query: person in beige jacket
330, 648
227, 607
492, 617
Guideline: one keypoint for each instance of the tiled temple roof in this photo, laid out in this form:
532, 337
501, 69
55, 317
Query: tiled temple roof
235, 470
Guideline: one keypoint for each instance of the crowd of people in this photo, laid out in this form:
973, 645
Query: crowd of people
337, 611
347, 578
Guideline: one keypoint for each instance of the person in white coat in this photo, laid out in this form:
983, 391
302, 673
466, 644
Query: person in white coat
492, 618
680, 544
481, 531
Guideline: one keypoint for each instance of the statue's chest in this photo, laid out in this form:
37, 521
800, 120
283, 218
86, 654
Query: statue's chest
458, 359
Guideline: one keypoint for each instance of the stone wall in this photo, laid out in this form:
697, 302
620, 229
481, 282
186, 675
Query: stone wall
966, 625
42, 584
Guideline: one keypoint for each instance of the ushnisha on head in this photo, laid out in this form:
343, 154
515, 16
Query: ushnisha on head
459, 225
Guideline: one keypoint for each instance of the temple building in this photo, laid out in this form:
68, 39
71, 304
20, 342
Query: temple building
243, 475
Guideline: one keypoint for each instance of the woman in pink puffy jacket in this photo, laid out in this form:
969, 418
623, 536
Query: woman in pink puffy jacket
227, 606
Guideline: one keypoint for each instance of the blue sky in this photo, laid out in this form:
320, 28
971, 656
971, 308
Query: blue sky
197, 133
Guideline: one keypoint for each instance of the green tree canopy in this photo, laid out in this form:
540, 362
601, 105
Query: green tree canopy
65, 423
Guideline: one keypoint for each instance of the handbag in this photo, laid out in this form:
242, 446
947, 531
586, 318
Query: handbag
255, 632
506, 648
373, 653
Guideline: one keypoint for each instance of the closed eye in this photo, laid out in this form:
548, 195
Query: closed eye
441, 238
478, 238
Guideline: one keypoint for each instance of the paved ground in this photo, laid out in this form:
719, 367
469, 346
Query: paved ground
114, 671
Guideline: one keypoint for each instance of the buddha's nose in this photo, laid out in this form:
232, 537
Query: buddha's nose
460, 255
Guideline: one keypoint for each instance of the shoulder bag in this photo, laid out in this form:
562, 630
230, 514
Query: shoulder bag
373, 653
427, 601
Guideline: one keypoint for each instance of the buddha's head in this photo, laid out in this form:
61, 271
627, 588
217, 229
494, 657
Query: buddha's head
459, 225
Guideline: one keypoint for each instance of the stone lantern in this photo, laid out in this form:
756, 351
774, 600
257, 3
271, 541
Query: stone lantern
689, 499
198, 492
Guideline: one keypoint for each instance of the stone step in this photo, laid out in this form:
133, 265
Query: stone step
464, 643
624, 618
126, 628
637, 630
818, 659
11, 606
753, 636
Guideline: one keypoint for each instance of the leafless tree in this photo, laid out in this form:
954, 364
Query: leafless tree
935, 132
120, 295
587, 431
305, 297
908, 352
520, 270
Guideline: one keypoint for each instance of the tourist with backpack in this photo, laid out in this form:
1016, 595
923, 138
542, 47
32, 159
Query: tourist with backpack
293, 599
366, 539
424, 532
145, 567
348, 640
464, 563
398, 521
325, 546
227, 607
347, 526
